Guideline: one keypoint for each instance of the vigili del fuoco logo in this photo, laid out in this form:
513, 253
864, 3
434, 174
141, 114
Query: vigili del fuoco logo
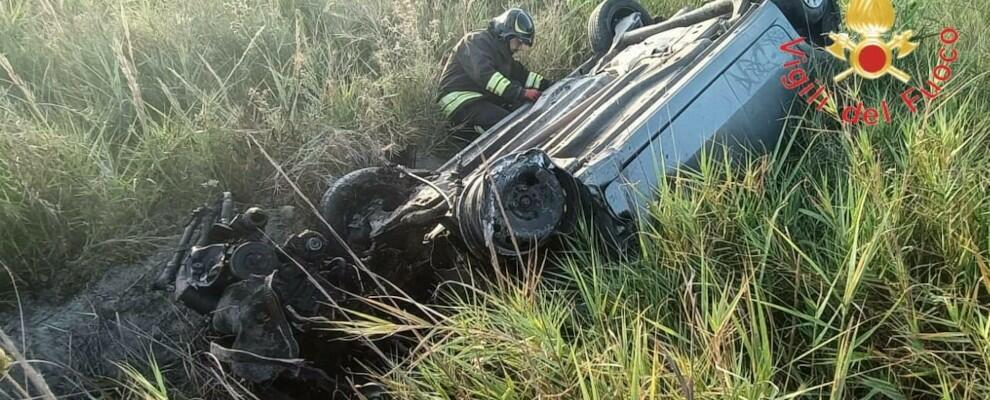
872, 54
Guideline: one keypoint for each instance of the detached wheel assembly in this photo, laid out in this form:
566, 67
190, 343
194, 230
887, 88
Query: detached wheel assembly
361, 200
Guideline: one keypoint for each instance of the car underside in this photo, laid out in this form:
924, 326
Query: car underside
655, 98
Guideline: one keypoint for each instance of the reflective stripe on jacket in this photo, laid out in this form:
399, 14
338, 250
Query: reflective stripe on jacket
482, 66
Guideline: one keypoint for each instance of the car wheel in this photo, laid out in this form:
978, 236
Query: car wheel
829, 23
357, 201
814, 10
813, 19
605, 17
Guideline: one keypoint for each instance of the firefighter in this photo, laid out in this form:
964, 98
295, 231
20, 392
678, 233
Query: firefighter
482, 82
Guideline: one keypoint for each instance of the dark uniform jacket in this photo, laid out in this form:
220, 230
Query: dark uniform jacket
482, 67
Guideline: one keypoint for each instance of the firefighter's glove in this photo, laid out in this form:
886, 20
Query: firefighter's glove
531, 95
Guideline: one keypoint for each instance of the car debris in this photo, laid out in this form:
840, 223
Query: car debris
654, 98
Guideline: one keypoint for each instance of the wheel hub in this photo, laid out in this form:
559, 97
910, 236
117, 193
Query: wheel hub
517, 205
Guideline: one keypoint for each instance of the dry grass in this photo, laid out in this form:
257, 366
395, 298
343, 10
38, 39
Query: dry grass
851, 263
119, 116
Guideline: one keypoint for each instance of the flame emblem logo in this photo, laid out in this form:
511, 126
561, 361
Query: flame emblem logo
873, 56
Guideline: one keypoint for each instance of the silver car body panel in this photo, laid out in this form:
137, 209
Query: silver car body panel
655, 107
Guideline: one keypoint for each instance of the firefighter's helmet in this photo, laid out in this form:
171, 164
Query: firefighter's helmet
514, 23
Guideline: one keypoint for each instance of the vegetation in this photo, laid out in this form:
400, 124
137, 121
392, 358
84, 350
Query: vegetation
118, 116
850, 263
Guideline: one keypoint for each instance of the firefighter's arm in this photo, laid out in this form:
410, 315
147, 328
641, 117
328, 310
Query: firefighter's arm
531, 79
478, 63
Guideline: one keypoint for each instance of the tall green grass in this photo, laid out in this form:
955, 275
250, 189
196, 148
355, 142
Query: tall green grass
851, 263
118, 116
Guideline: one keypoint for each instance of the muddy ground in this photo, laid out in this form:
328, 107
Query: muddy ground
117, 318
79, 343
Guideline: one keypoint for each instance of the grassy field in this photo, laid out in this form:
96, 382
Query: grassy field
117, 116
850, 263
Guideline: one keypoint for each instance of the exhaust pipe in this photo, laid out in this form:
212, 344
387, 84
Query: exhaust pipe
166, 279
703, 13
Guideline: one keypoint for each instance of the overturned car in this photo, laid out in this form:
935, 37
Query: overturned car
655, 95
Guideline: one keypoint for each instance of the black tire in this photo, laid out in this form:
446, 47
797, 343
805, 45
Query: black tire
602, 22
349, 201
813, 19
829, 23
